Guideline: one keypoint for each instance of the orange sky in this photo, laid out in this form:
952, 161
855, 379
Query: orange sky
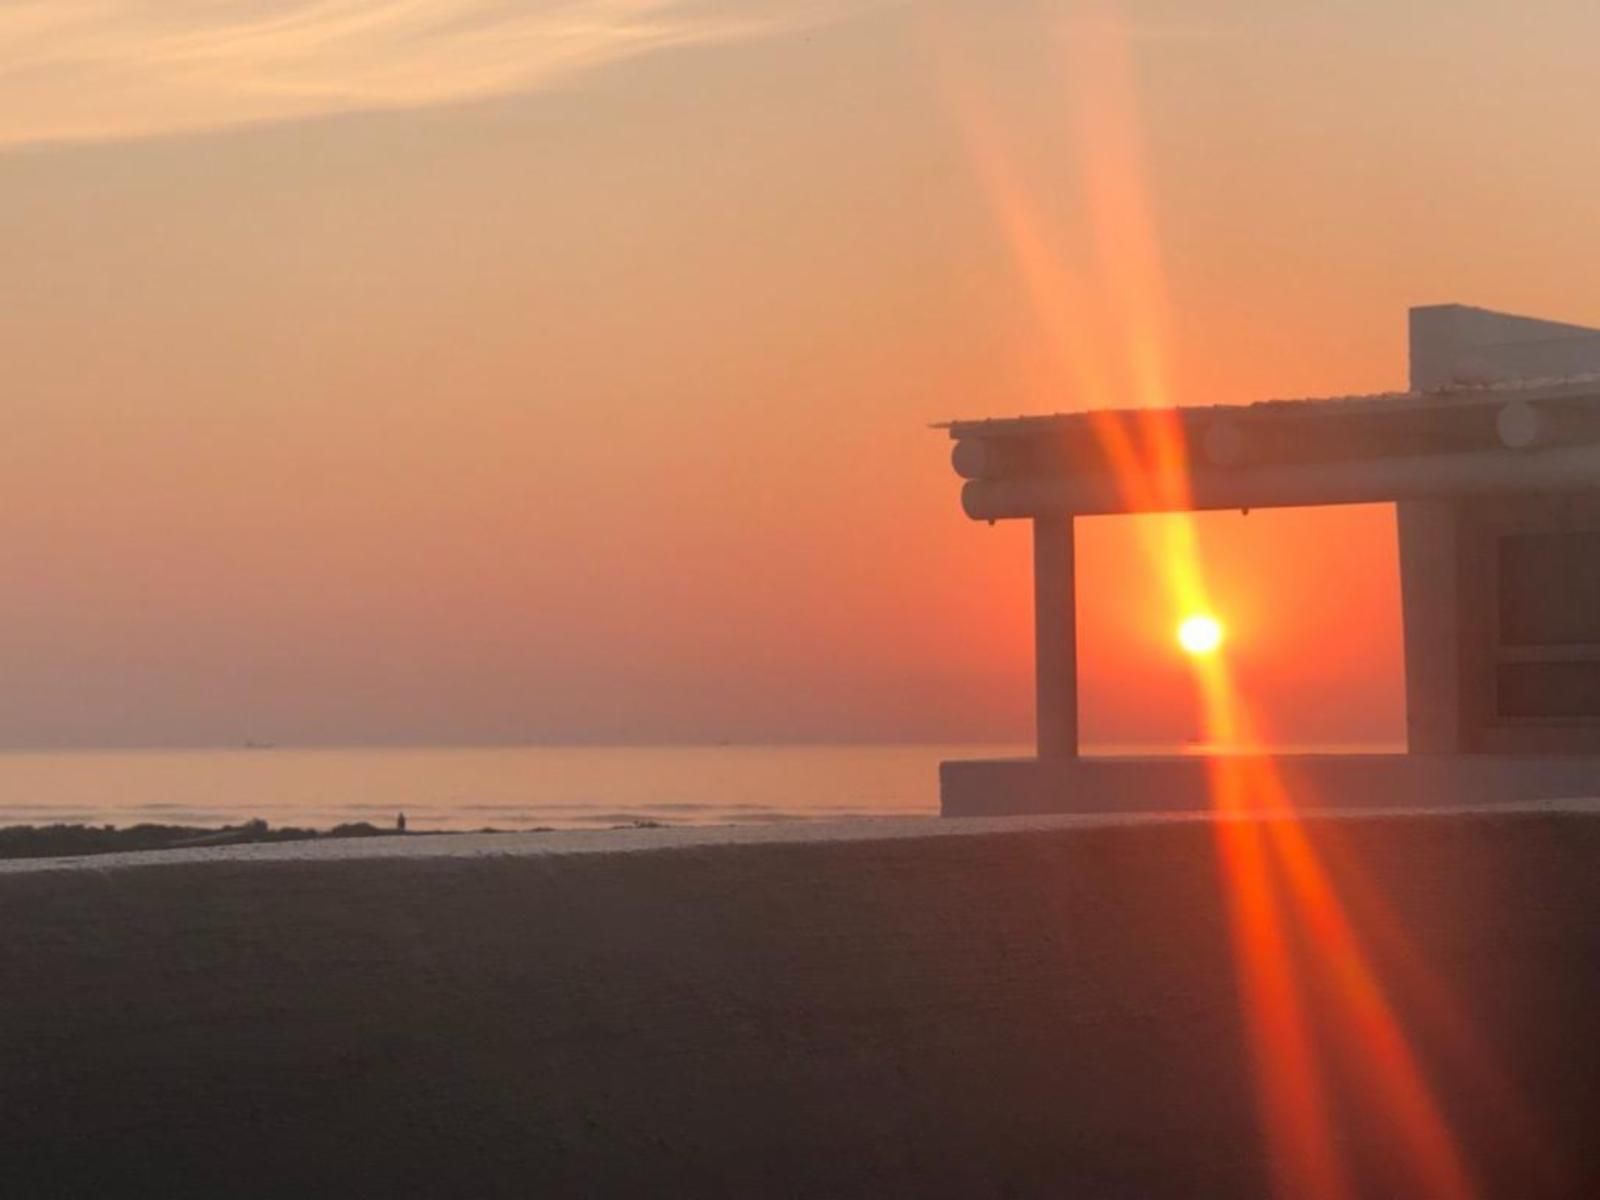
471, 371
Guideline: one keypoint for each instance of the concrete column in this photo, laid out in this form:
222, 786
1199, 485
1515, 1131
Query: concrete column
1055, 638
1430, 590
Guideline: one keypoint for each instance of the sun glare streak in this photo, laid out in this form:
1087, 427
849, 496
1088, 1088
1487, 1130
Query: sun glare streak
1375, 1036
1103, 109
1368, 1024
1278, 891
1288, 1078
1453, 1027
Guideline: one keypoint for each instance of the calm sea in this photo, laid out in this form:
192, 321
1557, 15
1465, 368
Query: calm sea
460, 788
560, 787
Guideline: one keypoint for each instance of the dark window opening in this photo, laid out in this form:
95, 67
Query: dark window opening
1550, 589
1548, 690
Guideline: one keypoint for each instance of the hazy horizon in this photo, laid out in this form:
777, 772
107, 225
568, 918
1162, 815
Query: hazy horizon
468, 373
1023, 743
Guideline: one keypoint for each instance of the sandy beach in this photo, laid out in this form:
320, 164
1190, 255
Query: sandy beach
1034, 1007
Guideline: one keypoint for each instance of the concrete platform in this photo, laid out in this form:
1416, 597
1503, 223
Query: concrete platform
1025, 1007
1030, 786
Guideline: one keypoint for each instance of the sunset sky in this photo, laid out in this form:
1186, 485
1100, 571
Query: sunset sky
477, 371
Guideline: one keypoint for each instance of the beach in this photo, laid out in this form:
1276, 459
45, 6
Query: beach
1022, 1007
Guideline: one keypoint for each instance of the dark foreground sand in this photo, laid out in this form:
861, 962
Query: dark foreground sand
983, 1008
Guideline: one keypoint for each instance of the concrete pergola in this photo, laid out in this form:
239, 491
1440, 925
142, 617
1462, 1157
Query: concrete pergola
1492, 459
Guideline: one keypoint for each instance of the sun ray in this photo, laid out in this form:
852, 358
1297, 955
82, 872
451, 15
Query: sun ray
1276, 885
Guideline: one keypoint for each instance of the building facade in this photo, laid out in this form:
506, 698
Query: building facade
1492, 459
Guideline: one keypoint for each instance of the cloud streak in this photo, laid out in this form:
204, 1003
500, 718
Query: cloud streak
96, 70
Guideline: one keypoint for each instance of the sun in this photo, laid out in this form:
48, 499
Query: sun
1200, 633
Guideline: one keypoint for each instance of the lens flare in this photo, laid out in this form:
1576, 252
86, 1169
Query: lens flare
1102, 324
1200, 634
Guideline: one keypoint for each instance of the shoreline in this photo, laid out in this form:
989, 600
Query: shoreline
26, 848
80, 840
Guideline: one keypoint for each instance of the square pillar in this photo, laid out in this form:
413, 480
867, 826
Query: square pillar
1431, 544
1055, 638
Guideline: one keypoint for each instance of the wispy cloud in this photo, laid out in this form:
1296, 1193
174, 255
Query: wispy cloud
109, 69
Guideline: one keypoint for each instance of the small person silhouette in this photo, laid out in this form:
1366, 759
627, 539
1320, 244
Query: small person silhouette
400, 822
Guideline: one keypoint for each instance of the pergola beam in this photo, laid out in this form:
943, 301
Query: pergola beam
1375, 480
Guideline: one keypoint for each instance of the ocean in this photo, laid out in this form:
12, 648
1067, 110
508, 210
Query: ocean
466, 788
559, 787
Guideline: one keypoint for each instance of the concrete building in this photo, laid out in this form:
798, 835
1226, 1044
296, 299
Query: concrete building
1492, 459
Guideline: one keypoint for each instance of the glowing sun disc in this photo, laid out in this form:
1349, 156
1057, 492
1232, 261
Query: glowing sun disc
1200, 634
